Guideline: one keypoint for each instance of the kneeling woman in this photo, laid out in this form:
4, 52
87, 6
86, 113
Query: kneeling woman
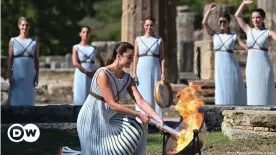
105, 126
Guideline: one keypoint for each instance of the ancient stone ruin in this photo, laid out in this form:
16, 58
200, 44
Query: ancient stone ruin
250, 123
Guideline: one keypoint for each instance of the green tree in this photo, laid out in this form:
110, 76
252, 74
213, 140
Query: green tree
55, 23
107, 19
195, 5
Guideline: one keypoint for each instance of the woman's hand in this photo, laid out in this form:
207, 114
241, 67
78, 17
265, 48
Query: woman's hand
160, 120
36, 80
134, 76
11, 81
247, 1
89, 73
162, 76
144, 118
212, 7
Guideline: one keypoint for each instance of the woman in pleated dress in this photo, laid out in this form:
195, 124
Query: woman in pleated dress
83, 59
149, 63
104, 126
259, 70
229, 85
23, 66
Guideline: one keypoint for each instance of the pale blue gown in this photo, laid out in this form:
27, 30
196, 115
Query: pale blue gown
148, 70
22, 91
103, 131
82, 82
229, 85
259, 70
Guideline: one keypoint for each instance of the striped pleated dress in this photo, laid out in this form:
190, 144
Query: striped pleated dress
259, 70
103, 131
229, 85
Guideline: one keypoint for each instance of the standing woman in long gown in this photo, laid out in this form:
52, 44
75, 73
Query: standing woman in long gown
23, 66
149, 63
104, 126
259, 70
83, 59
229, 84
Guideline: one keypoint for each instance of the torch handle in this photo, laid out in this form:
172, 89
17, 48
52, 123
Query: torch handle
165, 127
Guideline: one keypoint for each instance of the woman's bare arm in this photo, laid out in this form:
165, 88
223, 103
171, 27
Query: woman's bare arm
208, 29
10, 62
241, 43
75, 61
272, 35
104, 85
162, 59
239, 16
136, 57
37, 57
146, 107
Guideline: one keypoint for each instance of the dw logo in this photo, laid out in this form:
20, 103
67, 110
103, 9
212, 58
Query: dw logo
18, 133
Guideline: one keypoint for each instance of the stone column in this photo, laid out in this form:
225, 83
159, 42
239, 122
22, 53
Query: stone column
185, 26
269, 7
164, 12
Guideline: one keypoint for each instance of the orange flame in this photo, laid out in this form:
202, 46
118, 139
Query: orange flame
189, 102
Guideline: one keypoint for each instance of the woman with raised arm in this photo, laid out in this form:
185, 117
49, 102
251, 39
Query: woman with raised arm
259, 70
149, 63
106, 127
229, 84
83, 59
23, 66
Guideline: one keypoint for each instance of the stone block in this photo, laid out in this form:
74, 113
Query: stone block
262, 129
4, 98
5, 86
235, 134
251, 118
60, 88
251, 128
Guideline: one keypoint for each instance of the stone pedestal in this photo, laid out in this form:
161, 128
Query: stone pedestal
164, 12
249, 124
204, 58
